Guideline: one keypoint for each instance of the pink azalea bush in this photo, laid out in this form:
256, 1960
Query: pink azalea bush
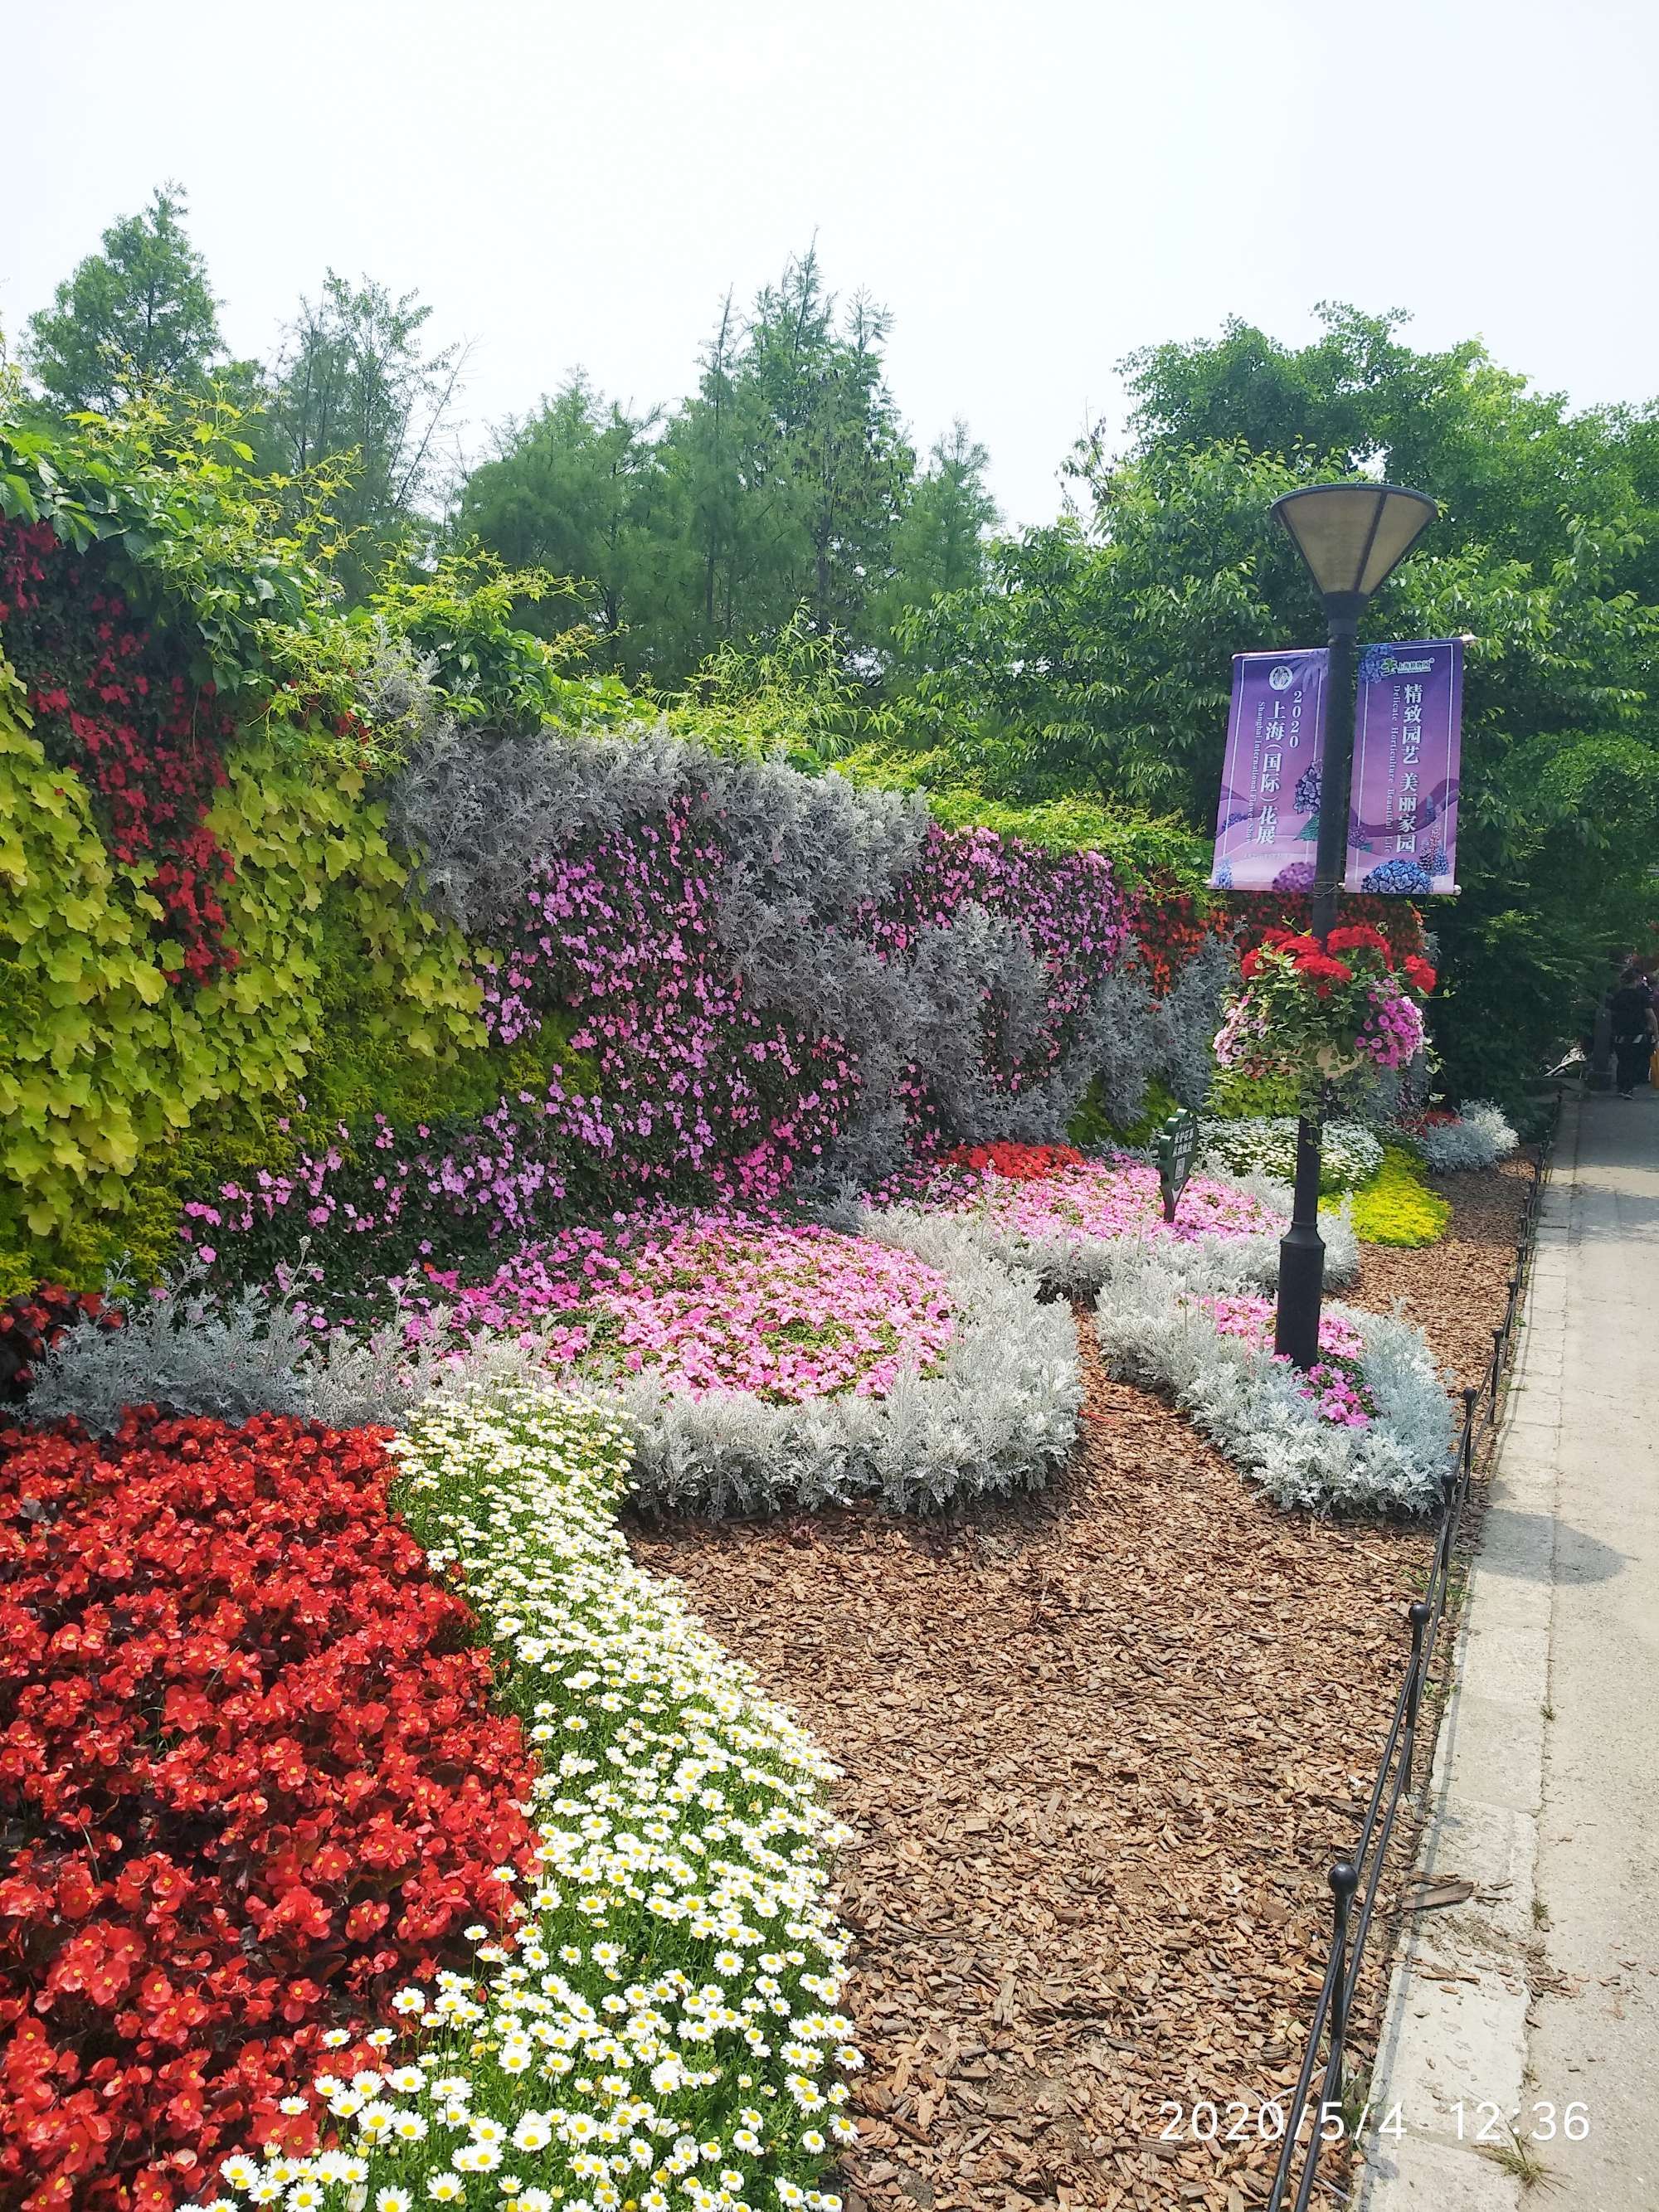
718, 1301
1333, 1385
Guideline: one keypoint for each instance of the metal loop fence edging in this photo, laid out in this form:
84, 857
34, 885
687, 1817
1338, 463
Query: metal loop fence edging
1358, 1876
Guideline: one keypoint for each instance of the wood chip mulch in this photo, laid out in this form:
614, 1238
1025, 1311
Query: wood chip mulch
1100, 1748
1457, 1290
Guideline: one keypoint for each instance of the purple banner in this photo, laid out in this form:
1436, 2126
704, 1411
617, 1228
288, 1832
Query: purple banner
1402, 818
1269, 820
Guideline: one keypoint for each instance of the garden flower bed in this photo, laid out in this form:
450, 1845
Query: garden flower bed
780, 1311
1103, 1743
316, 1897
1335, 1386
662, 2020
1065, 1217
758, 1363
254, 1784
1370, 1429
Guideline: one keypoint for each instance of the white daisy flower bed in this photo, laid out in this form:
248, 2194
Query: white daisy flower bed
660, 2029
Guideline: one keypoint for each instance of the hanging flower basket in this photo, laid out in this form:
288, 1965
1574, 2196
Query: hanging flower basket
1323, 1011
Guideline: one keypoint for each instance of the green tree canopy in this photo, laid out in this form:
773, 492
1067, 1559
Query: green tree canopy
780, 485
355, 388
131, 320
579, 487
1511, 466
939, 545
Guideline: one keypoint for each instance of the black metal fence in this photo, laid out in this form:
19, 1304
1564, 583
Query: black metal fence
1314, 2124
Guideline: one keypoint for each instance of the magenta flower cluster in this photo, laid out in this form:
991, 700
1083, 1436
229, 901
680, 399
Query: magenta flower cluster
500, 1168
693, 1076
1068, 908
1391, 1033
716, 1300
1334, 1385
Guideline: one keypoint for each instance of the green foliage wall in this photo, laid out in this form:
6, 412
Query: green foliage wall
104, 1065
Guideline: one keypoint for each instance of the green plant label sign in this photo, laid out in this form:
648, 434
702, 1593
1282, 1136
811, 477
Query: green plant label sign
1177, 1148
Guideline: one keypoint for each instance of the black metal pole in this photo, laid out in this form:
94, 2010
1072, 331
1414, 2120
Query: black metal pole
1302, 1248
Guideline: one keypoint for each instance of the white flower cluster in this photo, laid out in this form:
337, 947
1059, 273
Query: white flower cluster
659, 2027
998, 1414
1153, 1332
1264, 1145
1479, 1137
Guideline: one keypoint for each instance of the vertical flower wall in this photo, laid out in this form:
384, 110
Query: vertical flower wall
276, 1010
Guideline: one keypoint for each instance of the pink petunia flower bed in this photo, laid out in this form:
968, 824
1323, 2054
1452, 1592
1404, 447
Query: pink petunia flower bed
718, 1301
1116, 1196
1333, 1385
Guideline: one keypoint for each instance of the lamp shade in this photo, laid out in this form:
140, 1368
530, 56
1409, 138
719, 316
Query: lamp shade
1354, 536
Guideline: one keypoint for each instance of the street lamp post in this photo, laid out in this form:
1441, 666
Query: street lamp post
1352, 537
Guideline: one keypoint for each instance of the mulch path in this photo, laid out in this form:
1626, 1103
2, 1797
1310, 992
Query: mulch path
1101, 1746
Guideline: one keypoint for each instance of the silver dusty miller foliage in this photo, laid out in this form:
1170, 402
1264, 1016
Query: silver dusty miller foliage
1073, 1262
998, 1414
1150, 1331
190, 1352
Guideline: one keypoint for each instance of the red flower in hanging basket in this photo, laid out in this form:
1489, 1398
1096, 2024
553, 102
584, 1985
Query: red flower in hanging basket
1356, 936
1323, 969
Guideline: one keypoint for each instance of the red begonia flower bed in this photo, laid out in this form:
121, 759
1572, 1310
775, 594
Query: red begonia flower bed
250, 1785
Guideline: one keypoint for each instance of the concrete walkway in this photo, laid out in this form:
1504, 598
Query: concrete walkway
1529, 2014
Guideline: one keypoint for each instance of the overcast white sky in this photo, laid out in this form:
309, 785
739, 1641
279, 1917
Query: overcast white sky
1033, 188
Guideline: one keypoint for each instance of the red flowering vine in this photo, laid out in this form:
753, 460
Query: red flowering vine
148, 743
255, 1783
1168, 926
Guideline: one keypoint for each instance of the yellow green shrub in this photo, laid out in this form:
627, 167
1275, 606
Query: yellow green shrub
1396, 1206
88, 1051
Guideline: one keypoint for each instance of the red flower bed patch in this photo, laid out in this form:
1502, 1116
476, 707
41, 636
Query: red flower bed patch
252, 1782
1019, 1162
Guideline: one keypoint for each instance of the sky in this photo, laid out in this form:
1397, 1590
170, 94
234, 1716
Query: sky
1032, 189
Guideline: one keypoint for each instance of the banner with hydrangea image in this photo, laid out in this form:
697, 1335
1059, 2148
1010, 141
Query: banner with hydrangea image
1269, 820
1402, 818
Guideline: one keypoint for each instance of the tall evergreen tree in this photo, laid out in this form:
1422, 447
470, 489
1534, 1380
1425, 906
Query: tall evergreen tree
939, 545
701, 454
579, 487
354, 384
133, 318
794, 464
